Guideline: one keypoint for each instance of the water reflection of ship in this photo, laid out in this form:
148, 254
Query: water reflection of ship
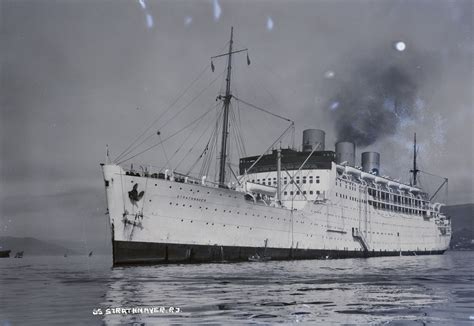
200, 300
120, 291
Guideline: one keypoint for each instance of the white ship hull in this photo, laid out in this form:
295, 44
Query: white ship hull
184, 222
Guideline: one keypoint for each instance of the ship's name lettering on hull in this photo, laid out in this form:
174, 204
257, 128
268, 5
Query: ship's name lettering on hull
190, 198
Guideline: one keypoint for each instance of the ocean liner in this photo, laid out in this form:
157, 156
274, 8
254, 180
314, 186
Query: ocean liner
284, 204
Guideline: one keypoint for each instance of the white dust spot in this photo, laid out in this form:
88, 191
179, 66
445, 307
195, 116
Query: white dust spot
217, 10
149, 21
400, 46
188, 20
269, 23
329, 74
148, 16
334, 105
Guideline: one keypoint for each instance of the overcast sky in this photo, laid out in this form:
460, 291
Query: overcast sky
77, 75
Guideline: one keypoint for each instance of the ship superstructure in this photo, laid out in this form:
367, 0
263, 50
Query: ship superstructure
285, 204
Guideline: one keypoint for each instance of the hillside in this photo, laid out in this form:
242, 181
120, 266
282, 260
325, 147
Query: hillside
462, 216
32, 247
462, 219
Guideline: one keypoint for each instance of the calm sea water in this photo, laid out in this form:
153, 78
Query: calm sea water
393, 290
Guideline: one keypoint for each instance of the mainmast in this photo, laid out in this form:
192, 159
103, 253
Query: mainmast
415, 170
225, 122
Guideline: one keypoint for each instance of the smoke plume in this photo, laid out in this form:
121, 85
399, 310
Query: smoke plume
379, 97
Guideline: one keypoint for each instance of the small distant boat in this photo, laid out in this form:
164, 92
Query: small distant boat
19, 254
264, 257
257, 258
5, 253
90, 254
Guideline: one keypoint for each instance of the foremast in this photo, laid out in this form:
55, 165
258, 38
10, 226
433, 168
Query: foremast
225, 122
